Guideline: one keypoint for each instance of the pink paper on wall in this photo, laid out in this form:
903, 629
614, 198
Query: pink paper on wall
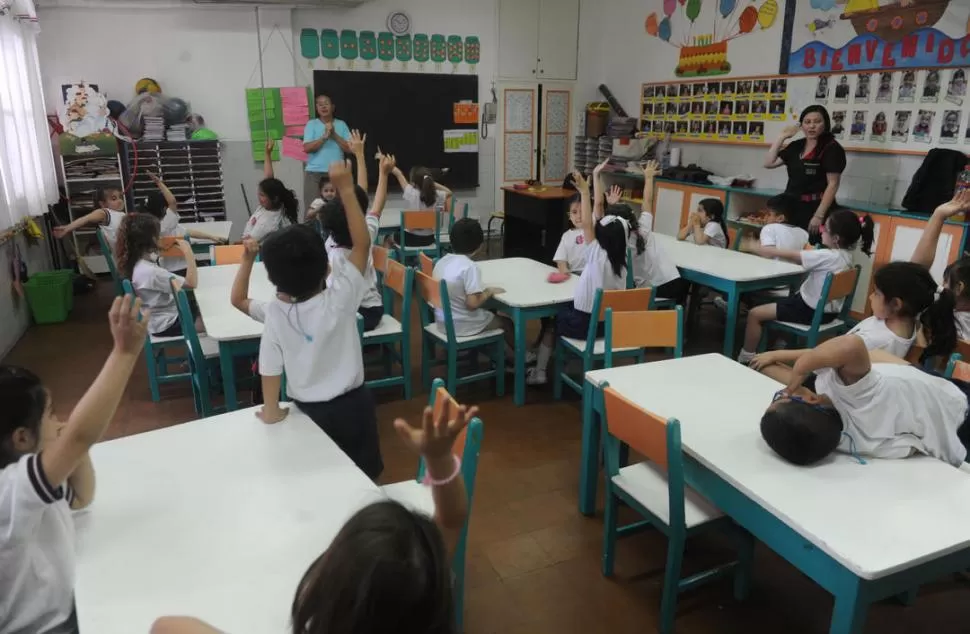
295, 131
295, 115
294, 96
293, 148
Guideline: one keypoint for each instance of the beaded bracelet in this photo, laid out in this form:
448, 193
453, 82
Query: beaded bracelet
429, 481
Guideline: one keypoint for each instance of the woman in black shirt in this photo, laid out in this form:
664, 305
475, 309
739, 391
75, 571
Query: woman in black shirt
815, 164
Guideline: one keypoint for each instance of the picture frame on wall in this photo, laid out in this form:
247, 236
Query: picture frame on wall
838, 124
923, 128
879, 127
857, 131
956, 88
884, 91
907, 87
862, 87
901, 125
950, 126
822, 89
931, 87
842, 90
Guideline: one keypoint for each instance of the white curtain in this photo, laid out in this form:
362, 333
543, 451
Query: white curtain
27, 178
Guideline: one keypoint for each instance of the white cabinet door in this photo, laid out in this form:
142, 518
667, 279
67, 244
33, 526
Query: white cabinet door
518, 39
558, 39
905, 240
667, 208
556, 144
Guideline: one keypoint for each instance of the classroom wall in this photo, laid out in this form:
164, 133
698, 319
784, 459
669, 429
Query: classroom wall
207, 55
14, 312
616, 50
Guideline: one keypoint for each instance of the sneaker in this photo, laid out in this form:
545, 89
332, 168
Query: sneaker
721, 304
530, 359
535, 377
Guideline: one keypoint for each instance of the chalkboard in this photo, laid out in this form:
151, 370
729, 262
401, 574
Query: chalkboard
405, 114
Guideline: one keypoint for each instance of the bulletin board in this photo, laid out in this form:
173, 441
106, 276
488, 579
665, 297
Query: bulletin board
740, 110
411, 115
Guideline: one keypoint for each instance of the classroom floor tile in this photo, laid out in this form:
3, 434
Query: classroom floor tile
533, 562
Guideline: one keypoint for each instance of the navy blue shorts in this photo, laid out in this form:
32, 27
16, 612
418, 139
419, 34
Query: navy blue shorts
794, 309
351, 422
574, 323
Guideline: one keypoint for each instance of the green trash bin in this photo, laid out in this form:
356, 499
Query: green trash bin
50, 295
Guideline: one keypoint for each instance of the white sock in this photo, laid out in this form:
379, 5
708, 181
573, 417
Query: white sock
542, 358
745, 356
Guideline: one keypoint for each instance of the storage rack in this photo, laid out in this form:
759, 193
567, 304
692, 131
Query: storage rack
191, 169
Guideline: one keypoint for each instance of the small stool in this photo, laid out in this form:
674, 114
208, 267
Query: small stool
495, 215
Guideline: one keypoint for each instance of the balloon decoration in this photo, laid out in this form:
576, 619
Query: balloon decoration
669, 6
652, 24
767, 13
693, 9
664, 30
726, 7
748, 19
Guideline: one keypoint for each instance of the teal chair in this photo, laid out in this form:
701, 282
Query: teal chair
837, 286
203, 356
393, 336
109, 259
445, 238
434, 293
655, 489
420, 220
417, 497
593, 349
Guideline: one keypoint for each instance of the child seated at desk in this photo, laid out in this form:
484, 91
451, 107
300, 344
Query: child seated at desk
654, 267
866, 403
46, 472
706, 224
840, 233
571, 253
778, 232
389, 568
311, 330
162, 204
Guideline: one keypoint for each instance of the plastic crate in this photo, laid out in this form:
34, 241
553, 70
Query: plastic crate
50, 296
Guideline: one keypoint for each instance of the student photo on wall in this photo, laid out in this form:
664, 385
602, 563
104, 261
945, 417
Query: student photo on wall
822, 89
660, 92
857, 132
760, 87
710, 129
901, 125
879, 128
742, 109
713, 89
685, 90
669, 127
699, 89
956, 90
838, 124
884, 94
842, 90
649, 92
776, 110
671, 109
683, 109
726, 109
744, 88
924, 126
907, 88
681, 127
728, 88
648, 109
950, 130
778, 88
756, 130
862, 87
931, 88
724, 129
710, 108
740, 130
759, 108
695, 128
646, 126
697, 108
672, 92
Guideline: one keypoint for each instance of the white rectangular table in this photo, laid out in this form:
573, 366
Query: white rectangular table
237, 333
862, 532
728, 271
218, 228
528, 295
218, 518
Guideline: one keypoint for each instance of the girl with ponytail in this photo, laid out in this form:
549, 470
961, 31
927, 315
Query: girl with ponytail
136, 253
278, 206
421, 192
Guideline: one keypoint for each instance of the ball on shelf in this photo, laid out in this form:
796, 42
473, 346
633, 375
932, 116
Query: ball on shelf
175, 110
147, 84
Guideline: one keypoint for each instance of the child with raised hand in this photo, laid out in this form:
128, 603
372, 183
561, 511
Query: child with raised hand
328, 192
421, 192
956, 276
278, 207
137, 255
705, 225
389, 568
339, 243
45, 472
163, 205
841, 232
110, 203
654, 267
866, 403
311, 330
605, 268
903, 297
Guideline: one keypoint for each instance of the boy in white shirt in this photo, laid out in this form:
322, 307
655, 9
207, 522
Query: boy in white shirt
466, 291
45, 472
571, 253
163, 205
866, 403
778, 232
311, 330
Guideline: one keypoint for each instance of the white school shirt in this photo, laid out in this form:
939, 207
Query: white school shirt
36, 550
463, 278
572, 250
412, 196
110, 229
316, 205
818, 263
316, 342
962, 320
263, 223
877, 336
153, 286
338, 257
785, 237
172, 229
654, 266
597, 273
896, 410
715, 235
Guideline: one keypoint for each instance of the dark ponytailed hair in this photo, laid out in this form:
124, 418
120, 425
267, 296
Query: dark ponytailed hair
387, 570
714, 208
24, 400
916, 291
851, 229
624, 211
801, 433
612, 237
296, 261
138, 235
421, 178
154, 204
333, 217
280, 198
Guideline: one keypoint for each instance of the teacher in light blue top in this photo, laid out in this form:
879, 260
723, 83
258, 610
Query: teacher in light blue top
324, 141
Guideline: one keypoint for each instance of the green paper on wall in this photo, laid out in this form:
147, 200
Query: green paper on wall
385, 46
402, 48
348, 44
473, 49
310, 43
330, 44
368, 45
455, 49
259, 151
438, 49
422, 48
